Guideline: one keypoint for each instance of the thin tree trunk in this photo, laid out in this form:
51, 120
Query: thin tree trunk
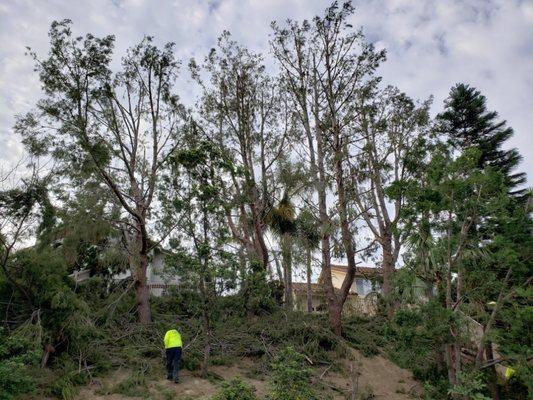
205, 279
388, 271
287, 269
492, 318
491, 382
457, 345
457, 359
244, 289
206, 325
334, 314
320, 183
278, 267
450, 350
309, 288
258, 232
48, 349
347, 238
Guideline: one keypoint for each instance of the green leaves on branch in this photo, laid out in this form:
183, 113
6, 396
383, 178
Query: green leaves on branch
291, 379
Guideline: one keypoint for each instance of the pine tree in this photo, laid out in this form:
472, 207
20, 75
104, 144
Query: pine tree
468, 123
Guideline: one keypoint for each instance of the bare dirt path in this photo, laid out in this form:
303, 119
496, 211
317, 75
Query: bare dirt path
374, 376
191, 386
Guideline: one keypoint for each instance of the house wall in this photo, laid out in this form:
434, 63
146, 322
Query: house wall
364, 303
364, 285
354, 305
300, 302
158, 281
337, 277
362, 306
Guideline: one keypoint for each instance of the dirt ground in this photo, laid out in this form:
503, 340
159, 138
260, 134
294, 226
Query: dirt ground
375, 376
191, 386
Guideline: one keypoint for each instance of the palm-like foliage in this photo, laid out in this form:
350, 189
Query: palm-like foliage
282, 218
282, 221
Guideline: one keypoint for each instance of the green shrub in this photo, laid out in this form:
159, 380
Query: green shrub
192, 360
259, 295
14, 379
235, 390
365, 335
65, 387
415, 339
134, 385
66, 378
291, 380
306, 334
19, 350
471, 387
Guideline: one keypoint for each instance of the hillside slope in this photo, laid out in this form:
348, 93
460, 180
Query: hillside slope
373, 376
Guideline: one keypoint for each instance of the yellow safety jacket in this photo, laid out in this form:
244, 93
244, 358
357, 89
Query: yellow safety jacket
172, 339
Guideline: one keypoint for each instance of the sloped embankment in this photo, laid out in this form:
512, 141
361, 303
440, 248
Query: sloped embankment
363, 376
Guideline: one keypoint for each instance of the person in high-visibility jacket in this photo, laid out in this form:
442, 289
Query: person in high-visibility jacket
173, 347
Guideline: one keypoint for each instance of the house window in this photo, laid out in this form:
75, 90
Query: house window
363, 286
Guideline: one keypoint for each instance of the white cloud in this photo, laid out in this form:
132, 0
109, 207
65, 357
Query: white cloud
431, 45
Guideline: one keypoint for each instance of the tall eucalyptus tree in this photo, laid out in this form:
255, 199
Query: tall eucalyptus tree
116, 127
392, 126
326, 64
242, 111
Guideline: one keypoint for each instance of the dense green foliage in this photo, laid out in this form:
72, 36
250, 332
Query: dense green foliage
316, 163
468, 123
19, 352
235, 390
290, 377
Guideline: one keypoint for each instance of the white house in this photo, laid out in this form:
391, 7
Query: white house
157, 280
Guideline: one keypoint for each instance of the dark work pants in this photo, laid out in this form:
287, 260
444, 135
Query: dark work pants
173, 356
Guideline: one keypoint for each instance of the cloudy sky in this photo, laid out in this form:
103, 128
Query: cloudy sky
431, 45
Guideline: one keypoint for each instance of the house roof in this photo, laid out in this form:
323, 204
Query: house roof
302, 287
360, 271
317, 288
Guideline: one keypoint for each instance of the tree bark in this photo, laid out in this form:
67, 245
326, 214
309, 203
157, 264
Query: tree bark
142, 291
258, 231
139, 267
491, 382
346, 234
335, 318
278, 267
450, 347
334, 315
450, 363
388, 266
309, 288
287, 269
206, 325
492, 318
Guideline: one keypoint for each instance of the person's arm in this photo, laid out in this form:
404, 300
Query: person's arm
165, 340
